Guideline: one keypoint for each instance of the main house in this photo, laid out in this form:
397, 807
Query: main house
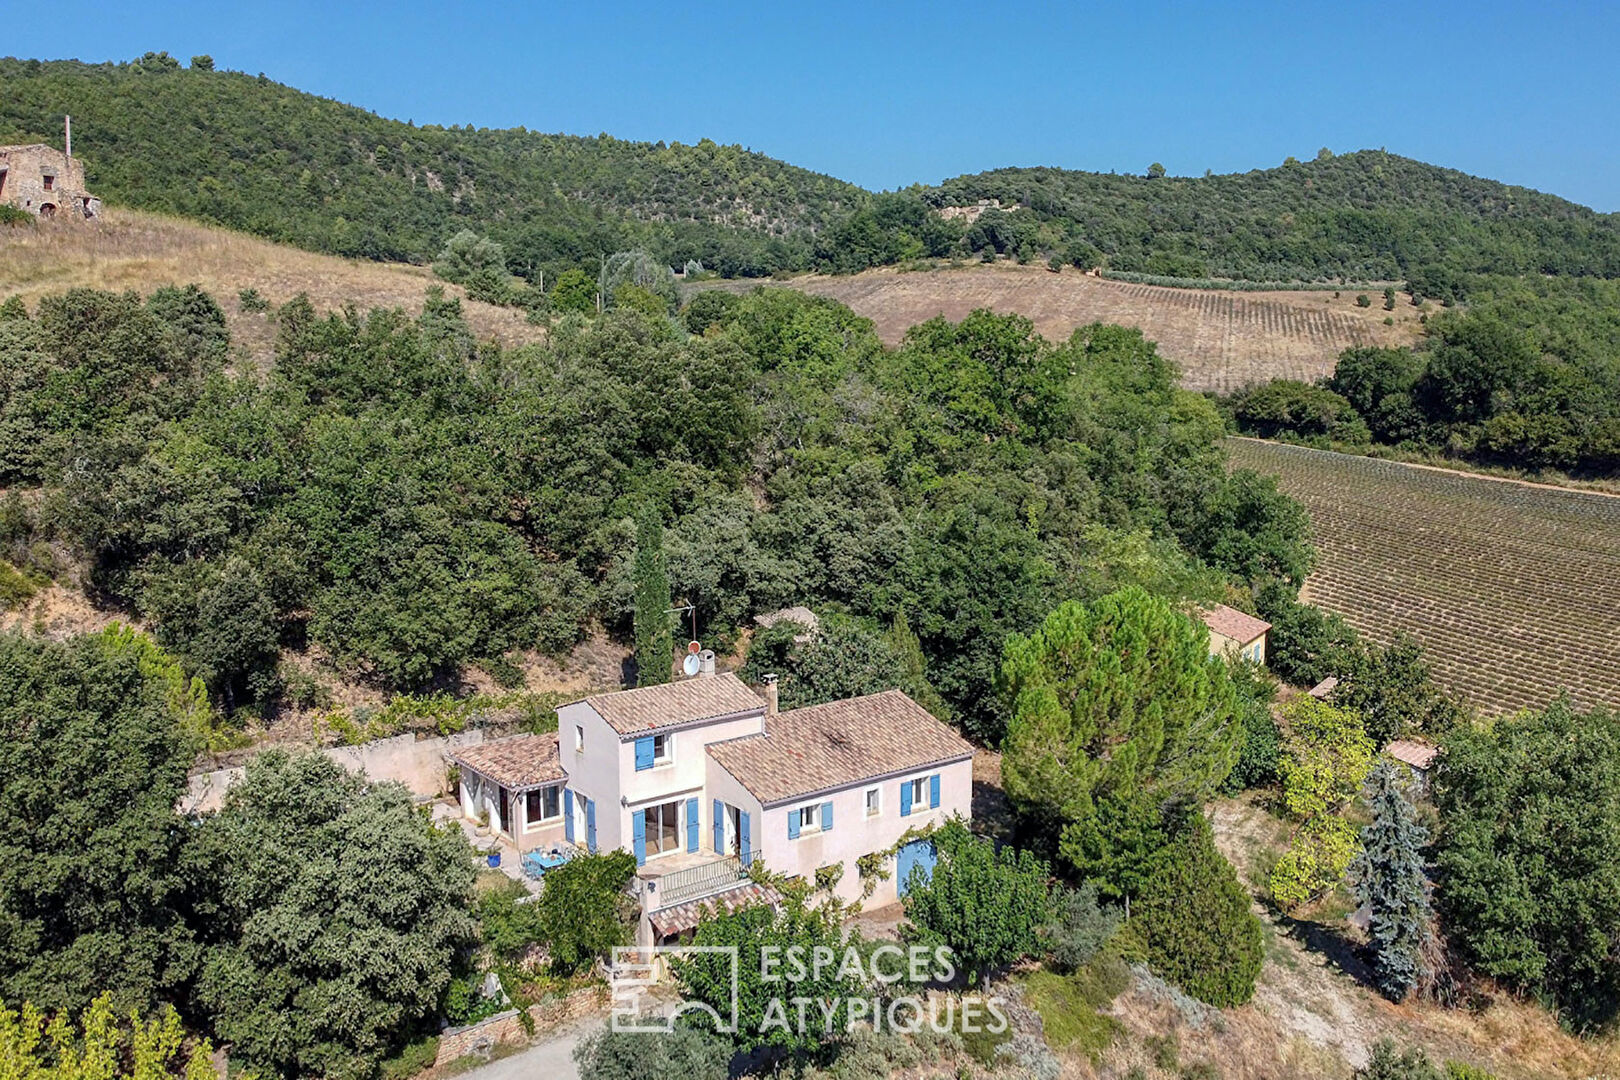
701, 778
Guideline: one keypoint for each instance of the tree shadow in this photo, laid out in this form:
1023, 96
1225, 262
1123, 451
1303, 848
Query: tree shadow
1331, 942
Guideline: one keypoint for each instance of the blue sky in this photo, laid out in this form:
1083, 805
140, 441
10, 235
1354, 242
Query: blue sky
887, 94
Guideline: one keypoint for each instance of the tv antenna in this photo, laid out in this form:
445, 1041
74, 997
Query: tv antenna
686, 609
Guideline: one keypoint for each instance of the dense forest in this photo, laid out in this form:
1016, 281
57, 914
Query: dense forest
252, 154
412, 501
1369, 215
1528, 376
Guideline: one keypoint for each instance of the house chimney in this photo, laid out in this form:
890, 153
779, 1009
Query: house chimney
770, 695
706, 662
67, 137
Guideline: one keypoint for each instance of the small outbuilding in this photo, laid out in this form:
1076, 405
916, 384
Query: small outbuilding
1418, 757
800, 616
1234, 633
517, 785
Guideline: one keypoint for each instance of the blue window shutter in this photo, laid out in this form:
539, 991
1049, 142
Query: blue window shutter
644, 754
590, 826
719, 828
692, 817
933, 792
638, 834
793, 824
568, 814
905, 799
826, 816
744, 841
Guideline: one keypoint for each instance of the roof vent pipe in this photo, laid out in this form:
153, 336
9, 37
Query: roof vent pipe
770, 695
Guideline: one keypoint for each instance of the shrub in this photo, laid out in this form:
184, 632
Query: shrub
1260, 755
15, 588
102, 1044
1194, 923
251, 301
1528, 855
986, 905
1386, 1064
1363, 300
1070, 1006
1080, 926
413, 1059
584, 910
509, 928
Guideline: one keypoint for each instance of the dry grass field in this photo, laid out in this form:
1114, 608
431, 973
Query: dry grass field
128, 249
1222, 340
1513, 588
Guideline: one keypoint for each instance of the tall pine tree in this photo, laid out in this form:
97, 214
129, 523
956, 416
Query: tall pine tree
1389, 879
655, 645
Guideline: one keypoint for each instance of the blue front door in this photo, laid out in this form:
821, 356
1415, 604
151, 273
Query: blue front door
918, 853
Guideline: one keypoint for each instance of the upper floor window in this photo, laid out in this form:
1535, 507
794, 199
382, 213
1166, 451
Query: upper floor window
919, 792
874, 801
579, 738
50, 182
663, 749
807, 817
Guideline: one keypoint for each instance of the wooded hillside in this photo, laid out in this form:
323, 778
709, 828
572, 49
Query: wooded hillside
244, 151
234, 149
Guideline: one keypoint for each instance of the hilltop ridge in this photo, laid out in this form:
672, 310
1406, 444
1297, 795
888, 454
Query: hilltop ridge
244, 151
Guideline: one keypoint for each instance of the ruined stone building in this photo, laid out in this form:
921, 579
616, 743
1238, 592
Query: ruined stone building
45, 182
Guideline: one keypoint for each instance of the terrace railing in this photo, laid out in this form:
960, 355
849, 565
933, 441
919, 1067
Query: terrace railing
695, 882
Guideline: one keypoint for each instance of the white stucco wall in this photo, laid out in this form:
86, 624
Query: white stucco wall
593, 773
853, 834
606, 771
723, 786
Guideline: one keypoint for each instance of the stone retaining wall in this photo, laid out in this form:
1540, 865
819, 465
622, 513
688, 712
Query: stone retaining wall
481, 1038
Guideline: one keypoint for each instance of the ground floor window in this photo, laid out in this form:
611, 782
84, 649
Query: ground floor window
663, 827
542, 805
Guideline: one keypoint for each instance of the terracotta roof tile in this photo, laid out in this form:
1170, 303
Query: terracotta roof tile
647, 708
522, 761
1232, 623
1410, 752
673, 920
823, 747
1322, 690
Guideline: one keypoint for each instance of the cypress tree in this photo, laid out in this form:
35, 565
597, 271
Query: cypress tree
1389, 879
655, 645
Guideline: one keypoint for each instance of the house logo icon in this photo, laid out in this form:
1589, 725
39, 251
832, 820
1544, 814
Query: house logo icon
635, 969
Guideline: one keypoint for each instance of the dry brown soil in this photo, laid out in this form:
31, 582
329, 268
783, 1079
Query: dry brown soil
1223, 340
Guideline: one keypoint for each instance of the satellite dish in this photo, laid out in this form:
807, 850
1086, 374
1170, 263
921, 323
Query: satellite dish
690, 664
